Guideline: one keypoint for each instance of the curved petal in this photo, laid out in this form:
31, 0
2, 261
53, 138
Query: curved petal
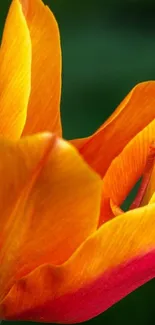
127, 168
55, 211
44, 104
15, 73
134, 113
108, 210
111, 263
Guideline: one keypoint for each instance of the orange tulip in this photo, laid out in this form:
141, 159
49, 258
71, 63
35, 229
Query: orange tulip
67, 250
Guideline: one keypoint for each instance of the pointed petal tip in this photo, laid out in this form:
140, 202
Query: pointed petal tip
46, 89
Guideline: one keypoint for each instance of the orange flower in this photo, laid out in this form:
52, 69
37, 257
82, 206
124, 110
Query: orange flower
60, 261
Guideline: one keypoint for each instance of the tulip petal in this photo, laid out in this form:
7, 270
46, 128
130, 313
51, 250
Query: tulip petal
149, 195
18, 161
134, 113
127, 168
55, 211
115, 260
44, 103
152, 199
108, 210
15, 73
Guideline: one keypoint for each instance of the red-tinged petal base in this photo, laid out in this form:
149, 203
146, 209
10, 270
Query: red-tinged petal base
94, 299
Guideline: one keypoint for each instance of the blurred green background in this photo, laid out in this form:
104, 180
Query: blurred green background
108, 46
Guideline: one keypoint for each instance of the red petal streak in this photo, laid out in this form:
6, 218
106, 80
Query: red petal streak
92, 299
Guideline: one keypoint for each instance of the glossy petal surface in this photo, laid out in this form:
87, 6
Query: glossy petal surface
112, 262
44, 104
52, 210
15, 73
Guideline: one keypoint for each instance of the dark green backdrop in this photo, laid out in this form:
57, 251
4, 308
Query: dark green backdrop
108, 46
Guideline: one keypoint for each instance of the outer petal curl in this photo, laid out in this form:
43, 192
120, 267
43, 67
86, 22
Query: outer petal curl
110, 264
134, 113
